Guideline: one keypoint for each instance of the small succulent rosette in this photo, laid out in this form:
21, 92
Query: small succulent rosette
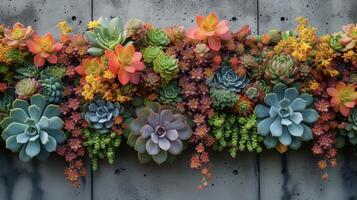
285, 117
226, 78
158, 133
33, 129
100, 114
105, 36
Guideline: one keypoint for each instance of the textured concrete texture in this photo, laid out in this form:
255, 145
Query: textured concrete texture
269, 176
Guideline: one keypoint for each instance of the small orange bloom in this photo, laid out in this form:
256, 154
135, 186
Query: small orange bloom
89, 67
344, 97
210, 29
44, 48
126, 63
18, 35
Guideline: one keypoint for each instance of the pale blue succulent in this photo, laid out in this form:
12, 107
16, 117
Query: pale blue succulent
100, 114
285, 117
33, 129
226, 78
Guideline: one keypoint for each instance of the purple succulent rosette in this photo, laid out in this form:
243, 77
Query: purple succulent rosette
158, 132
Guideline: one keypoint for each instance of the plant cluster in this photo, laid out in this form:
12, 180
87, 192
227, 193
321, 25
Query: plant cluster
161, 90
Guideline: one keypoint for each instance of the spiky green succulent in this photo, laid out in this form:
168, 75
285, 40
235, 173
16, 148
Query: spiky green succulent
170, 93
151, 52
52, 90
166, 66
28, 70
157, 37
285, 117
56, 71
106, 36
26, 87
282, 69
222, 98
158, 132
33, 129
6, 100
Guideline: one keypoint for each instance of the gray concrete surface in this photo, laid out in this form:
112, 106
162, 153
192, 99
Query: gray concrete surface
270, 176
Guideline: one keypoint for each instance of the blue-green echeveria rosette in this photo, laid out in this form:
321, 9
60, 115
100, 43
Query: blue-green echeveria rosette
158, 132
226, 78
100, 114
33, 129
285, 117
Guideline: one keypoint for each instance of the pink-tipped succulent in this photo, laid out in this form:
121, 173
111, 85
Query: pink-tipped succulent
17, 36
210, 29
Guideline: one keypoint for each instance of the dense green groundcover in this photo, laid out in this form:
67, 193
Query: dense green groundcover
161, 90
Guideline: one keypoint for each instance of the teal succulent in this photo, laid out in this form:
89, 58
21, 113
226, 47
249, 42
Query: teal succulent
222, 98
285, 117
158, 133
170, 93
226, 78
106, 36
100, 114
150, 53
33, 129
351, 127
52, 90
157, 37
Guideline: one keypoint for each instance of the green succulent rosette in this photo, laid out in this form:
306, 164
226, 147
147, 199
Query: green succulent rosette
157, 37
150, 53
166, 66
282, 69
170, 93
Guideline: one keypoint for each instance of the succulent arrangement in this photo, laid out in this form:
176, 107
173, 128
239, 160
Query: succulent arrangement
162, 89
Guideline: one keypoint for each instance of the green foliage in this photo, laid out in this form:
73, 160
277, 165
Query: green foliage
6, 100
166, 66
56, 71
150, 53
222, 98
52, 89
6, 75
101, 146
28, 70
15, 56
235, 133
170, 93
157, 37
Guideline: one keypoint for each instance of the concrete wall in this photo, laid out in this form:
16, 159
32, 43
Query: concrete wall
269, 176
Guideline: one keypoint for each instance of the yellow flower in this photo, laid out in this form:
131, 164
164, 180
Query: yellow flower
108, 75
313, 85
93, 24
64, 27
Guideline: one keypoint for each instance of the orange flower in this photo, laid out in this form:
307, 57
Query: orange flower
125, 62
89, 67
18, 35
44, 48
210, 29
344, 97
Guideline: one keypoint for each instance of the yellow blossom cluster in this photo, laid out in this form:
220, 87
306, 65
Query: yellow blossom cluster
4, 52
107, 88
64, 27
324, 56
350, 56
301, 45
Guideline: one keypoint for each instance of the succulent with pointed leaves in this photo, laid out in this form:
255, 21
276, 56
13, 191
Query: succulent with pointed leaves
33, 129
52, 90
285, 117
106, 36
